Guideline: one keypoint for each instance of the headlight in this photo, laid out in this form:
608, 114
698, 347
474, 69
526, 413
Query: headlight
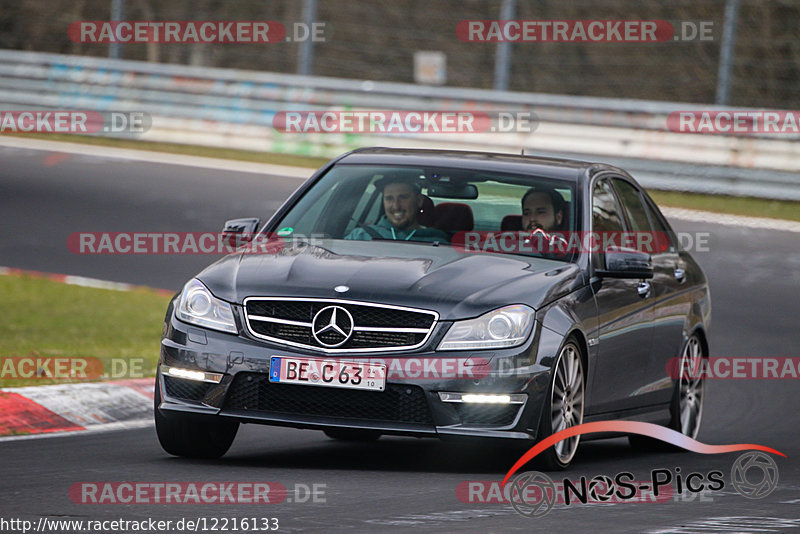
198, 306
504, 327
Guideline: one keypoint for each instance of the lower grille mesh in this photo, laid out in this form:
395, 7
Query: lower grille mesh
397, 404
487, 415
186, 389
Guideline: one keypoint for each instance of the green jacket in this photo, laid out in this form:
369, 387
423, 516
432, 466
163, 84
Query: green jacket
385, 229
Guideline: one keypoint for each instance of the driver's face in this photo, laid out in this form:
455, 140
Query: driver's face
537, 212
401, 204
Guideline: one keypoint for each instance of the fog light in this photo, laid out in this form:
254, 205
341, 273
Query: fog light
483, 398
190, 374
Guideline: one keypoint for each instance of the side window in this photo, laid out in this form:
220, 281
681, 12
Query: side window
665, 237
605, 212
632, 204
605, 216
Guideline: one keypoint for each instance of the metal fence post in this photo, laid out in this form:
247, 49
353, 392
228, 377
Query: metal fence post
117, 13
726, 52
502, 57
305, 54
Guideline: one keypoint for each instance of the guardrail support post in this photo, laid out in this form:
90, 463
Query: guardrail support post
117, 13
305, 54
502, 57
726, 52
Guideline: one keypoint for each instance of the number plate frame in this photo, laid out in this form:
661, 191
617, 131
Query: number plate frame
317, 371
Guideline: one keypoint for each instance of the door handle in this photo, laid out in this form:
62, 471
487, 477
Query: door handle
643, 289
680, 274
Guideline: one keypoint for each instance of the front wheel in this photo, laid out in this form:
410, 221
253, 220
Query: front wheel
193, 438
564, 407
688, 394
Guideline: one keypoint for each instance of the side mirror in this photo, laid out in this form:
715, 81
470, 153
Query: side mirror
626, 263
237, 232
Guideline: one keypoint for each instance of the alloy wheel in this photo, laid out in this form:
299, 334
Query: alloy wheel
566, 402
691, 387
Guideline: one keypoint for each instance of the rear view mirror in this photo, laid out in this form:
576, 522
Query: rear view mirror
626, 263
455, 191
240, 231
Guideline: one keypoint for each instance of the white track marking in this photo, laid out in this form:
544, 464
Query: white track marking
94, 429
731, 220
155, 157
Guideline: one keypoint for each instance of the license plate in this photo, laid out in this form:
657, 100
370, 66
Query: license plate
330, 373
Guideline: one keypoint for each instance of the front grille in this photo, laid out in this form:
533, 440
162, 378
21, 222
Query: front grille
487, 415
396, 404
373, 326
186, 389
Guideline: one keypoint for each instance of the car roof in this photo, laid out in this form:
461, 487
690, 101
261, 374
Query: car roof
564, 169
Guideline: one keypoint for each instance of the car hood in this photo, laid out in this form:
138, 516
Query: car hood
455, 284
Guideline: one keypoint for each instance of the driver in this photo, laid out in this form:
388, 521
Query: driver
402, 201
542, 214
542, 208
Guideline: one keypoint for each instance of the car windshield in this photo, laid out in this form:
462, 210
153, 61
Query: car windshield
473, 210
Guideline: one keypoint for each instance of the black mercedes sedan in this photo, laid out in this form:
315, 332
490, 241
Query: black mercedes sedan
458, 295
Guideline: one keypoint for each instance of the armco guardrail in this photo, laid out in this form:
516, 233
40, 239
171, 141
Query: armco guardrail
235, 108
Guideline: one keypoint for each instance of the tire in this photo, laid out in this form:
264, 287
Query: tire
686, 406
347, 434
192, 438
564, 407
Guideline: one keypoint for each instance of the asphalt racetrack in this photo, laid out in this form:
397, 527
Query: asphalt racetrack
395, 484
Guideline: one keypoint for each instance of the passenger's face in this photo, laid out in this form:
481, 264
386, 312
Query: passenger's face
537, 212
401, 204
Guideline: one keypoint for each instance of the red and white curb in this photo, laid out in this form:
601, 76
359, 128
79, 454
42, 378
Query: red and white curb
38, 411
42, 411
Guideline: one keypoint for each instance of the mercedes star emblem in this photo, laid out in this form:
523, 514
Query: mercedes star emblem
332, 326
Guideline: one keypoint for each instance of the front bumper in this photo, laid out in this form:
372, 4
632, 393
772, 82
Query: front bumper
408, 406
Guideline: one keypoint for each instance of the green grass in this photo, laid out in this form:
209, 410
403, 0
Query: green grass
755, 207
43, 318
